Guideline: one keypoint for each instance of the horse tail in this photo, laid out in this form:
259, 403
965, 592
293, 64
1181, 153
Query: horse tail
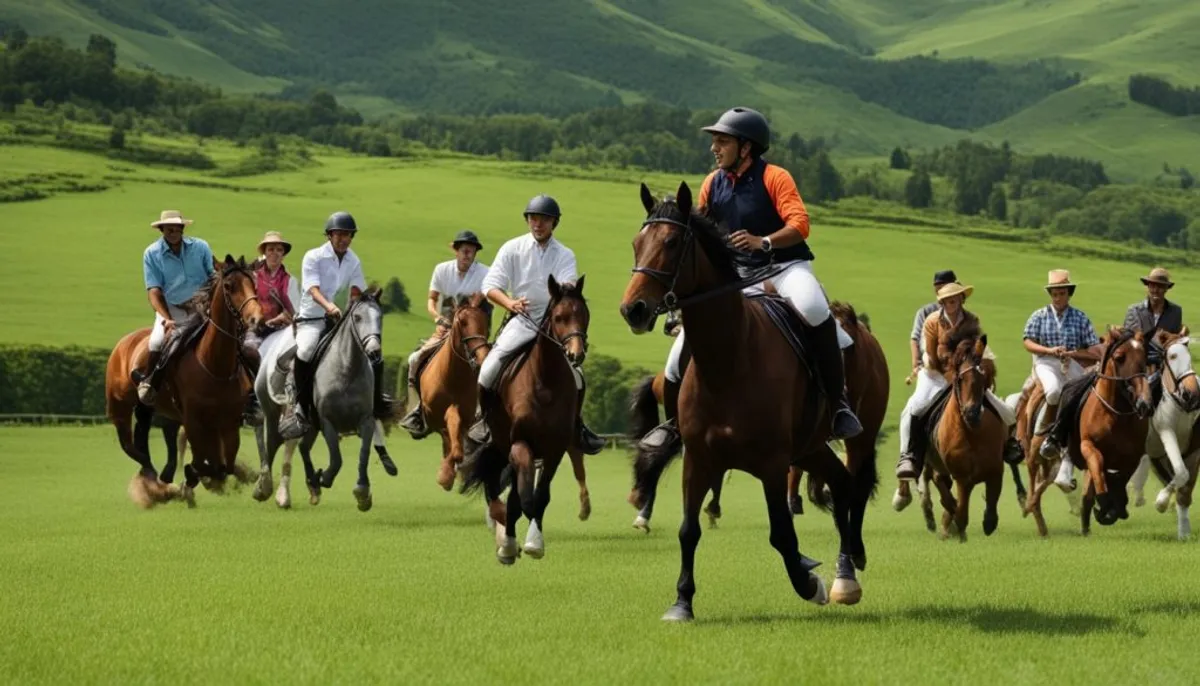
817, 494
643, 409
648, 466
481, 468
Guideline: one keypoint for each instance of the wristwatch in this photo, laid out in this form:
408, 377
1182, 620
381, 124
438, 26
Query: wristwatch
766, 244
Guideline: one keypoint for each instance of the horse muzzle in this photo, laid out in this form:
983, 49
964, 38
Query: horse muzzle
639, 315
1143, 408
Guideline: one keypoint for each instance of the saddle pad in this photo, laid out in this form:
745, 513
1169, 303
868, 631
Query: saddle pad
426, 355
788, 321
933, 416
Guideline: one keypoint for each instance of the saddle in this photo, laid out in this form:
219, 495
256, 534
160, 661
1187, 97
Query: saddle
933, 416
280, 382
785, 317
426, 355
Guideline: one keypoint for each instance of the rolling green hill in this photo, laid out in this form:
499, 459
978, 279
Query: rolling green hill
804, 61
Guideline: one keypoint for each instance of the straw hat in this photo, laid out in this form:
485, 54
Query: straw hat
952, 289
1159, 276
273, 237
169, 218
1060, 278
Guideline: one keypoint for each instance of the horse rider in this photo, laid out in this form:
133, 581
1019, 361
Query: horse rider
278, 294
1155, 313
460, 277
917, 339
517, 281
760, 203
936, 373
174, 267
325, 271
1059, 337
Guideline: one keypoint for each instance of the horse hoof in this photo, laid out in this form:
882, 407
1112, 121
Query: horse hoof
846, 592
1021, 500
642, 523
821, 595
363, 495
1163, 501
445, 477
534, 552
314, 495
283, 500
712, 521
678, 613
388, 465
860, 562
901, 500
585, 509
508, 552
990, 524
1140, 500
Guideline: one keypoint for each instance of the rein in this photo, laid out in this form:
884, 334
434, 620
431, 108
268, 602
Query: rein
1123, 387
671, 302
975, 368
239, 335
469, 352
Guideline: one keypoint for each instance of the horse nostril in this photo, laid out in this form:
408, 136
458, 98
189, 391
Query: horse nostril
635, 313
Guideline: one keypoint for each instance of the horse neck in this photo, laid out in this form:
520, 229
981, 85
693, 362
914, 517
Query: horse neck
216, 350
715, 330
1110, 390
547, 361
345, 350
458, 365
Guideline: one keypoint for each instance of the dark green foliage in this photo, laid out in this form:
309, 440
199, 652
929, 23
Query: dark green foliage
918, 191
1178, 101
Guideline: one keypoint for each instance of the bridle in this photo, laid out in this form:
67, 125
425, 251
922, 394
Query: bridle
1176, 381
543, 330
1124, 387
974, 367
670, 301
235, 312
470, 351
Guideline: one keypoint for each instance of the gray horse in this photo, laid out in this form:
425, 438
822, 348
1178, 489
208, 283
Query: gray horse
343, 393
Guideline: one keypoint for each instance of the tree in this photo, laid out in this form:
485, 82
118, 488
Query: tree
824, 181
116, 139
918, 191
103, 49
379, 147
900, 159
1186, 180
998, 204
16, 39
394, 299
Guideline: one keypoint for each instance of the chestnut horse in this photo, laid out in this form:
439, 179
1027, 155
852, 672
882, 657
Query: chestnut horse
1109, 436
726, 419
533, 422
202, 386
967, 446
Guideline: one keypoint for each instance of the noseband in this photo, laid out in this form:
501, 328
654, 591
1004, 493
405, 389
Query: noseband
239, 328
468, 355
1124, 383
973, 368
1177, 381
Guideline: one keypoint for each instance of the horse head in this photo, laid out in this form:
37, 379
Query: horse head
668, 267
971, 380
1180, 380
567, 318
1124, 362
238, 293
366, 318
471, 327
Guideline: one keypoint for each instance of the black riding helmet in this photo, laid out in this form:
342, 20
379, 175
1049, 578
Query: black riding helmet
341, 221
745, 124
543, 204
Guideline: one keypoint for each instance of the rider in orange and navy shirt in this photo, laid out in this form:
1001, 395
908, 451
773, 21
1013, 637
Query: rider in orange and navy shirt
761, 205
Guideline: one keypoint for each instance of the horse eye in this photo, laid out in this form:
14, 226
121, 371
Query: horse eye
1172, 356
671, 241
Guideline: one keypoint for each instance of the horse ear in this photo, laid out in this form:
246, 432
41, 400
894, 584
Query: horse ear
983, 341
647, 199
229, 260
476, 300
579, 284
683, 198
555, 289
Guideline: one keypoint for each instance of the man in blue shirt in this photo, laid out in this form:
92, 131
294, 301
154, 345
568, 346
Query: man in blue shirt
174, 267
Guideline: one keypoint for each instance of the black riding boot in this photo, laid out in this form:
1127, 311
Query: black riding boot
148, 379
833, 377
912, 463
1013, 453
589, 443
383, 401
414, 421
1055, 438
298, 424
480, 433
665, 437
251, 414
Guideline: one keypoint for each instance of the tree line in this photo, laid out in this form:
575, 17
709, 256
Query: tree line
1161, 95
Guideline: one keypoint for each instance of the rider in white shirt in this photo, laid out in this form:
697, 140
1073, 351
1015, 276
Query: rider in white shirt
517, 281
461, 277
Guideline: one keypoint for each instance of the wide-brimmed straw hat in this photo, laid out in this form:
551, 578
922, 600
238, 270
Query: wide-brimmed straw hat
952, 289
1159, 276
169, 218
273, 237
1060, 278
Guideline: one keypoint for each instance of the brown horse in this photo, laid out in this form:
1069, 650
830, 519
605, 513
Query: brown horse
202, 386
534, 423
449, 383
727, 422
1122, 418
967, 446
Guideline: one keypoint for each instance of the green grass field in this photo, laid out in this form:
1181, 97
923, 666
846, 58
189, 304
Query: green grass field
240, 592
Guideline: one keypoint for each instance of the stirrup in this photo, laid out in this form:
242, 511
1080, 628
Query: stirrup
146, 393
906, 468
414, 423
480, 432
665, 435
293, 426
1013, 452
1049, 449
589, 442
850, 426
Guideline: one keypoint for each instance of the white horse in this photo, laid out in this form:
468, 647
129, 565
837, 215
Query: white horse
1171, 438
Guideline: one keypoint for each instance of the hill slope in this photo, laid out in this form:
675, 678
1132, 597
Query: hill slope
801, 60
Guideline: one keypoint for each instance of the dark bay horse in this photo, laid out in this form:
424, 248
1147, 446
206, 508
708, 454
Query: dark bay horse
967, 446
202, 387
535, 423
726, 419
449, 382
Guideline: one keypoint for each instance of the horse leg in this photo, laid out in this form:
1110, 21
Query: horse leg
507, 550
1085, 512
807, 584
1022, 494
846, 589
1138, 481
205, 447
713, 509
1183, 499
1039, 481
795, 502
312, 477
962, 513
642, 520
585, 498
264, 485
380, 443
697, 480
1106, 512
170, 432
283, 496
333, 442
535, 545
362, 489
991, 494
926, 502
944, 485
231, 443
452, 448
903, 496
142, 418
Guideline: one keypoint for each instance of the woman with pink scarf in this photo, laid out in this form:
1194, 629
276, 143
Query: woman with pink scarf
278, 294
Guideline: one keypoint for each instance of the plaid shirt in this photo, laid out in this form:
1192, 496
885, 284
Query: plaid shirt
1073, 331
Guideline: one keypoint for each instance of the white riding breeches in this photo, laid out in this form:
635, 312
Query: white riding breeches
308, 334
158, 334
796, 283
1050, 372
517, 332
929, 384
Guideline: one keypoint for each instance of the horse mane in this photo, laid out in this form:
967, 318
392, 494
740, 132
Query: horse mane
201, 300
846, 314
710, 233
